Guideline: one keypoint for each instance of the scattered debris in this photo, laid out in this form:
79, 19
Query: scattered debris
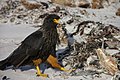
88, 37
8, 5
62, 35
107, 62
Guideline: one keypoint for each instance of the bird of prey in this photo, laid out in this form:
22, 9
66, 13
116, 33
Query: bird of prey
37, 47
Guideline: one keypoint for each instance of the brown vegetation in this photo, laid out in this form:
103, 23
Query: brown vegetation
29, 5
96, 4
72, 3
63, 2
118, 12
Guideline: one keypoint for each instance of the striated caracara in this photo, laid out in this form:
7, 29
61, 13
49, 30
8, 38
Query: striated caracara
37, 47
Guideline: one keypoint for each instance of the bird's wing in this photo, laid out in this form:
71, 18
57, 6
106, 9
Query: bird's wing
33, 42
33, 39
29, 47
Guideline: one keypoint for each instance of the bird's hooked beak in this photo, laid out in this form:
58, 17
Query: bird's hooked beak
57, 21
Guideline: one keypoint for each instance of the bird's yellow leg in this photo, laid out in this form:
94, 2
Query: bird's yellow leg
54, 62
36, 63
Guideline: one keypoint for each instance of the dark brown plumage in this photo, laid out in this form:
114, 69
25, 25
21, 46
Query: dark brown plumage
39, 45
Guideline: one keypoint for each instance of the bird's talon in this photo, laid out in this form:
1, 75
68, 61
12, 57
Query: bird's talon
63, 69
72, 70
43, 75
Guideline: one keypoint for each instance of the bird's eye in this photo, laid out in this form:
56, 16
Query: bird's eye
56, 21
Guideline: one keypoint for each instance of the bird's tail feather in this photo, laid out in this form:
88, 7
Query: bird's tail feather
3, 64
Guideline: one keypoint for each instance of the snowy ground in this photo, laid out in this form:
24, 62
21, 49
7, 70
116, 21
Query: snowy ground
11, 35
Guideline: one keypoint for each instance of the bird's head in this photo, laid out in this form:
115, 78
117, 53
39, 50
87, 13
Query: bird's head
51, 20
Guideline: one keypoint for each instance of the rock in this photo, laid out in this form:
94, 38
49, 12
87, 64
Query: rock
70, 21
83, 4
84, 12
64, 2
113, 44
43, 15
12, 19
97, 4
29, 5
118, 12
72, 3
21, 16
5, 78
92, 60
44, 4
5, 21
57, 9
116, 77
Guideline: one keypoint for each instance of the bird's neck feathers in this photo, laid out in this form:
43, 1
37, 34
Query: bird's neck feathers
51, 26
50, 31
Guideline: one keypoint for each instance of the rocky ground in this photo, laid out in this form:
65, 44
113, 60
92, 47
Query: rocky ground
83, 31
